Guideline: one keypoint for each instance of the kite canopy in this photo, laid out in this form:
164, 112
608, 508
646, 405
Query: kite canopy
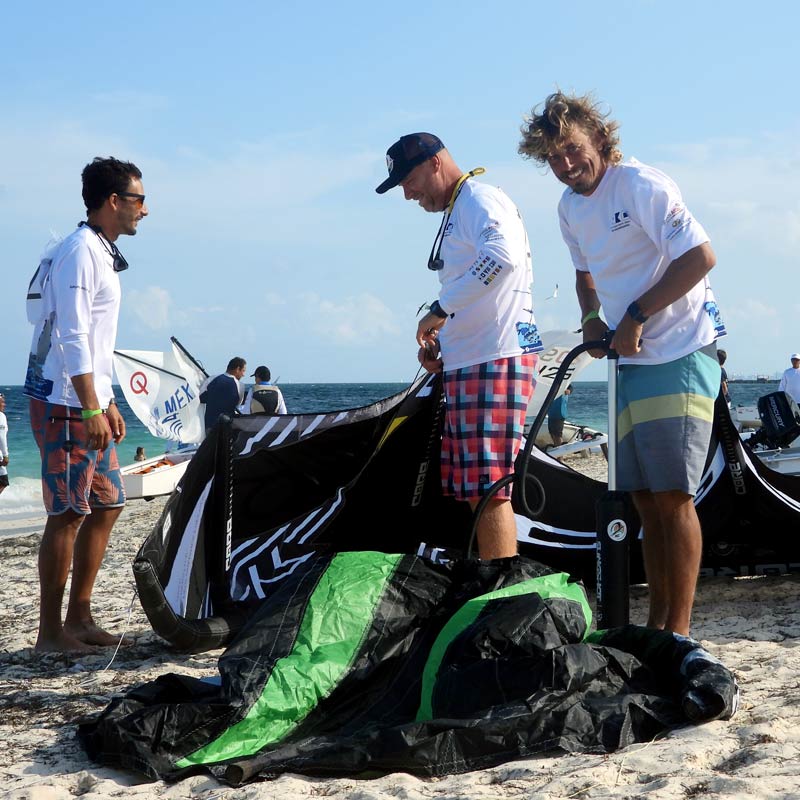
265, 494
360, 662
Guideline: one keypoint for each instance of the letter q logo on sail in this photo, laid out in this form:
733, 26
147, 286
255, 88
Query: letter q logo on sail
617, 530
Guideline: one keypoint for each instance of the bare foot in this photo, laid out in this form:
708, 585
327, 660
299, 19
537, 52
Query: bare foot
64, 642
91, 634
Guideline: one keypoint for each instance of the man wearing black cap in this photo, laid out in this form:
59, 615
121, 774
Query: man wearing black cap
263, 398
480, 331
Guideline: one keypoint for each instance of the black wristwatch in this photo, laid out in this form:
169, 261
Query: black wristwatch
636, 313
436, 309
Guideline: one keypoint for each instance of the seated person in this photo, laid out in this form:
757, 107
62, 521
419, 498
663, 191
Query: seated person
263, 398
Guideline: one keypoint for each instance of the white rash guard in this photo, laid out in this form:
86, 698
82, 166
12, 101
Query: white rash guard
77, 335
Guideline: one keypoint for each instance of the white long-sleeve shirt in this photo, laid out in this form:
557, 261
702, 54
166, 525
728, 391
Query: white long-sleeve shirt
790, 383
80, 304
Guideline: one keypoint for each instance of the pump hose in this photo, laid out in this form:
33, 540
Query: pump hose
520, 477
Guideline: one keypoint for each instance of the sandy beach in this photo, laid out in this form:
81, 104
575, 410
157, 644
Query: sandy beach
751, 624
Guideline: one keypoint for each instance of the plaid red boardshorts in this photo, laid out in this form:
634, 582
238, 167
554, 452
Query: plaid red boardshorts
72, 476
484, 422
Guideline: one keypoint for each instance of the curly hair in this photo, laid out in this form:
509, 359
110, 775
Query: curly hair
104, 177
561, 114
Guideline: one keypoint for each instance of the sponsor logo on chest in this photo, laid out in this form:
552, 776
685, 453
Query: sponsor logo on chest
620, 220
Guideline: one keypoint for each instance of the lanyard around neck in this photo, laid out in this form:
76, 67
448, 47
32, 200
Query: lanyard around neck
435, 262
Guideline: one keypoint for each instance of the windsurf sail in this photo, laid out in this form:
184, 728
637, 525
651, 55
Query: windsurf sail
163, 390
557, 346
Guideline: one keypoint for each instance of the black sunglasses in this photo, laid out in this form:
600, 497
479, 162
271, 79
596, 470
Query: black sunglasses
139, 198
119, 264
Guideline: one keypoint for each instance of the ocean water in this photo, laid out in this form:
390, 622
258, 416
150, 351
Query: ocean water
587, 406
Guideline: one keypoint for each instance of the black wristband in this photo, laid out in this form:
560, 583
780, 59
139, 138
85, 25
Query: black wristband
636, 313
436, 309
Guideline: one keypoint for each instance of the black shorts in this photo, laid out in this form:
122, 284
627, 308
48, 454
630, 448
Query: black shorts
4, 480
555, 425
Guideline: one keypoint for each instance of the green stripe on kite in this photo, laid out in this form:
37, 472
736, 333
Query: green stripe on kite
555, 585
329, 639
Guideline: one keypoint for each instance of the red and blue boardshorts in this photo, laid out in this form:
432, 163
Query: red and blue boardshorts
73, 477
484, 423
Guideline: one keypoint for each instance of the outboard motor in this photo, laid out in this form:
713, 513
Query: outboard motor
780, 421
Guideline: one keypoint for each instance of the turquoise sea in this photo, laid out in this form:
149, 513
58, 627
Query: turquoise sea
587, 406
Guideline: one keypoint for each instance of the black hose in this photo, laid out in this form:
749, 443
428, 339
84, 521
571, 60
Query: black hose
520, 477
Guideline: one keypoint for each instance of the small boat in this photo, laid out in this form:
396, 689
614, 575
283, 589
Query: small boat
157, 476
771, 430
577, 439
783, 459
163, 390
745, 417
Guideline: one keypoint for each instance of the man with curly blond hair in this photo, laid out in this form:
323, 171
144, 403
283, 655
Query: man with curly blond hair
642, 259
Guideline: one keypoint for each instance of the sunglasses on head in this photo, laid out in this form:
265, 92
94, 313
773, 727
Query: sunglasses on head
137, 198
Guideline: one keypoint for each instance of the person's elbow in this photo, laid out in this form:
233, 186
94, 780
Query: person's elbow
707, 258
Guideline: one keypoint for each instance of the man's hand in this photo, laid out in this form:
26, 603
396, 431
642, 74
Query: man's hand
117, 423
428, 356
627, 336
428, 328
594, 330
4, 461
98, 432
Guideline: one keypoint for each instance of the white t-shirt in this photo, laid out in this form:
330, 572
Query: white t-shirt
3, 441
626, 234
790, 383
77, 335
486, 280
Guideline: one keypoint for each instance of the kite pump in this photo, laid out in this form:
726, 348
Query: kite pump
612, 533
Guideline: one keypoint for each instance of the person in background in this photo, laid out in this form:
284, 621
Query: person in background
790, 381
557, 415
73, 414
480, 331
263, 398
643, 259
3, 444
140, 455
224, 393
722, 357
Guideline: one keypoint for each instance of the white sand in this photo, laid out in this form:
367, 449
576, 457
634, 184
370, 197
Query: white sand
751, 624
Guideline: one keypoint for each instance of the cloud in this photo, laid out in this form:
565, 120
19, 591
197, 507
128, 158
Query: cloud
151, 306
354, 319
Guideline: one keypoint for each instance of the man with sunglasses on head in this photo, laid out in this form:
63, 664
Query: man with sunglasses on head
73, 414
480, 332
642, 258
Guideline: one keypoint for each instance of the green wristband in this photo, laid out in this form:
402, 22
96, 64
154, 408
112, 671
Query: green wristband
87, 413
593, 314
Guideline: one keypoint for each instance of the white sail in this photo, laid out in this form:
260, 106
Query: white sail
557, 345
162, 389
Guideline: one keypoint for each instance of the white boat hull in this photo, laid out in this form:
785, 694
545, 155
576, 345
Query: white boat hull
785, 459
155, 477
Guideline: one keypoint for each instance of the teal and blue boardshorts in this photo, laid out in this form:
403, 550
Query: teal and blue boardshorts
664, 423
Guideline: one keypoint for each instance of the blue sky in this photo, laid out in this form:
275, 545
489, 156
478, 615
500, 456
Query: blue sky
261, 132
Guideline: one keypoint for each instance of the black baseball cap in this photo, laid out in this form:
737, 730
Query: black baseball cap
262, 373
408, 152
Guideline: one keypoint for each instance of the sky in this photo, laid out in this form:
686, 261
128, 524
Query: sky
261, 130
